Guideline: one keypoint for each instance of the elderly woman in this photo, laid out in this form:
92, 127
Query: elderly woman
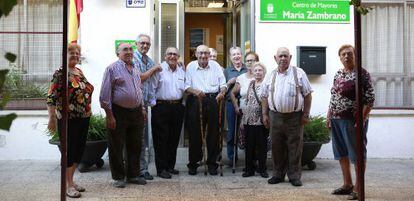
256, 133
231, 73
341, 117
242, 83
79, 112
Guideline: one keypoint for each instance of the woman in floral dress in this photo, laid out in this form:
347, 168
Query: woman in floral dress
79, 112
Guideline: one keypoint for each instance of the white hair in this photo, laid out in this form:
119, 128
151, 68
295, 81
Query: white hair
142, 35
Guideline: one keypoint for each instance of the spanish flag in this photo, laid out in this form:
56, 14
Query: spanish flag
75, 8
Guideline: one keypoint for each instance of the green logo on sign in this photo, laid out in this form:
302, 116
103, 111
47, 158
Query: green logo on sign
322, 11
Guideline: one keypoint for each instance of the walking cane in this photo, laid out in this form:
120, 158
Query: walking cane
235, 145
220, 140
200, 102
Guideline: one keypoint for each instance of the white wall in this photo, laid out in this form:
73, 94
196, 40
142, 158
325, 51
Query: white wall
389, 133
103, 22
27, 138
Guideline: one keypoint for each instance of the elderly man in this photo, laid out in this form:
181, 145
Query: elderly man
147, 69
167, 112
121, 98
231, 73
205, 83
286, 91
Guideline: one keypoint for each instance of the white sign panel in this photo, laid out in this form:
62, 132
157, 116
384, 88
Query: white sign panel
135, 3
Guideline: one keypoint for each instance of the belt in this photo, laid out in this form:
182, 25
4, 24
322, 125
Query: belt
211, 95
139, 108
179, 101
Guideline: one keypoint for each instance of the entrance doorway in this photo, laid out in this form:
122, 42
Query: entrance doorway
209, 29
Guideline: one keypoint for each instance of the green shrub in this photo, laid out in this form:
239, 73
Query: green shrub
16, 88
315, 130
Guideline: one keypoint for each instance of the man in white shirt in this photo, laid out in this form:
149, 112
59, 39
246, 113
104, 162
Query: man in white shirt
205, 82
167, 112
286, 91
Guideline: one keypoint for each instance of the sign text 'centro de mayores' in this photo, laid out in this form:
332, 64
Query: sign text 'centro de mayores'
322, 11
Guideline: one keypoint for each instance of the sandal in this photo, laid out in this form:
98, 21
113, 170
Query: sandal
72, 192
343, 190
79, 188
352, 196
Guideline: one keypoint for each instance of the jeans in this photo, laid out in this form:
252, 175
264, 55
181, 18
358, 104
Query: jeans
231, 120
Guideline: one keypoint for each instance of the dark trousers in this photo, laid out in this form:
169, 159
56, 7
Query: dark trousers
210, 122
128, 133
166, 121
287, 144
76, 140
232, 128
256, 146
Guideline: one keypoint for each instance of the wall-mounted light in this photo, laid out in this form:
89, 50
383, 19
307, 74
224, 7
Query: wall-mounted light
215, 5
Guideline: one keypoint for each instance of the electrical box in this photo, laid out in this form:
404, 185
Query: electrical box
312, 59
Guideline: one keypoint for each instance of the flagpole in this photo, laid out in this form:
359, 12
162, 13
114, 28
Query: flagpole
360, 166
63, 131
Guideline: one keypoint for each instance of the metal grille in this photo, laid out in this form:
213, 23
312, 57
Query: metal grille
168, 26
387, 53
32, 31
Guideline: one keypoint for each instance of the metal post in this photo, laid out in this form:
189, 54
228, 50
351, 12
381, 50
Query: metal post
64, 128
359, 122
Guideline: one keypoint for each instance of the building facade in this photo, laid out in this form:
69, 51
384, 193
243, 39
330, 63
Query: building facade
388, 54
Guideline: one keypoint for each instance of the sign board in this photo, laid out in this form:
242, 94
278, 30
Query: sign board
315, 11
131, 42
135, 3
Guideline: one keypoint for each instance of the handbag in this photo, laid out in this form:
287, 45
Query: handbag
269, 139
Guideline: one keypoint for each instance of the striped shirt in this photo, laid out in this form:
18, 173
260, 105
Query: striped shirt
168, 84
209, 79
285, 90
121, 87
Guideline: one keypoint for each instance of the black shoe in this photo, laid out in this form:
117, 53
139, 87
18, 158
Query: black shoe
119, 183
137, 180
248, 174
296, 182
264, 174
343, 190
212, 171
192, 171
147, 176
274, 180
164, 174
173, 171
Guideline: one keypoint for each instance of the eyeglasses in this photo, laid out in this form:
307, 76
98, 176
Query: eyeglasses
251, 60
206, 53
127, 49
172, 54
145, 43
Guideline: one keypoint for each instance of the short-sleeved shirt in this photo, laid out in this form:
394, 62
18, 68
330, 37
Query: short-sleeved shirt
209, 79
342, 103
168, 84
244, 82
231, 72
138, 59
252, 114
121, 87
79, 94
285, 90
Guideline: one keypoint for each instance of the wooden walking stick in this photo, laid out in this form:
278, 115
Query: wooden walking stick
220, 139
235, 145
203, 143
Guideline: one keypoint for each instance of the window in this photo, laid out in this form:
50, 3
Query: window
32, 31
388, 53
